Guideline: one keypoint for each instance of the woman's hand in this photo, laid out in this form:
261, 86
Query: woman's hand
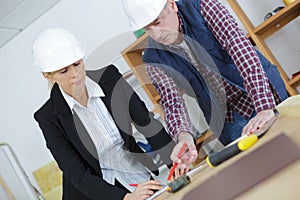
144, 190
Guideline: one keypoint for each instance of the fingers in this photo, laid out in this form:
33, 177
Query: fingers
146, 189
175, 152
258, 121
193, 151
188, 139
187, 157
190, 155
177, 173
181, 170
150, 185
251, 126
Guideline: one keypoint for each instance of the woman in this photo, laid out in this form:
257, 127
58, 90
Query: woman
87, 124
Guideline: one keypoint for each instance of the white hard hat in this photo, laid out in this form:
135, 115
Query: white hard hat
140, 13
56, 48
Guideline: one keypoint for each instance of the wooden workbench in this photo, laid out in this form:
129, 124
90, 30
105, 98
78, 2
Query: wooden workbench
284, 184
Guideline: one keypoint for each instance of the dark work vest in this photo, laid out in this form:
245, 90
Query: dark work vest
198, 35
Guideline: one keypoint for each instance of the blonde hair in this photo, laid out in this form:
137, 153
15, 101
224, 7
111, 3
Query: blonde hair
50, 83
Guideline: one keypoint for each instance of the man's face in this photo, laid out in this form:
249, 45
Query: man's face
165, 28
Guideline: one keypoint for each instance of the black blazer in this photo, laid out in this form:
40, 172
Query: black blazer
74, 150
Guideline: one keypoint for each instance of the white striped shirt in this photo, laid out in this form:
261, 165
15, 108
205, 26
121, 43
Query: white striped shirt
115, 161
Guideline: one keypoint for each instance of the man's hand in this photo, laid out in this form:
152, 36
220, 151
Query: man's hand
258, 121
144, 190
188, 157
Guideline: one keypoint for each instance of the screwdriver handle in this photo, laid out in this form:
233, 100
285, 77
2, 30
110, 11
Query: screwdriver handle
217, 158
178, 183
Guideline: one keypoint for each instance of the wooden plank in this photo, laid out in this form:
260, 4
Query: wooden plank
279, 20
133, 56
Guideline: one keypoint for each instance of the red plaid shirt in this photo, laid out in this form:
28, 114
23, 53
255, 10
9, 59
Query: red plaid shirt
259, 94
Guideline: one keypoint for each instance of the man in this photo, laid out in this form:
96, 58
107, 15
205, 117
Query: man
201, 41
87, 124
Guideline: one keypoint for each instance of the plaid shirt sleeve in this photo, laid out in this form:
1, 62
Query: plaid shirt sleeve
237, 45
176, 115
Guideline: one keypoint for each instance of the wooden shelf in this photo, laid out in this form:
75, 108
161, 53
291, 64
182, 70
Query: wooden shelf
279, 20
260, 33
133, 56
295, 81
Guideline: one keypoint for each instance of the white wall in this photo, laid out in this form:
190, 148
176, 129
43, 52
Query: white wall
24, 89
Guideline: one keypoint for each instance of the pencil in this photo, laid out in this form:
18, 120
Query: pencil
175, 164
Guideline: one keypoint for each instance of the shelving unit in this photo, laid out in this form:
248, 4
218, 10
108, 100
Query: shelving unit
133, 56
260, 33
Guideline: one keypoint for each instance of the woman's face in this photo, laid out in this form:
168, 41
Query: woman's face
71, 78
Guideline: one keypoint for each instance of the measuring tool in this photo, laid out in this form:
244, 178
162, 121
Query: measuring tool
211, 160
241, 144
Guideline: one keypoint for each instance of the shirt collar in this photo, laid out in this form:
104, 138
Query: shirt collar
180, 24
93, 90
181, 30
